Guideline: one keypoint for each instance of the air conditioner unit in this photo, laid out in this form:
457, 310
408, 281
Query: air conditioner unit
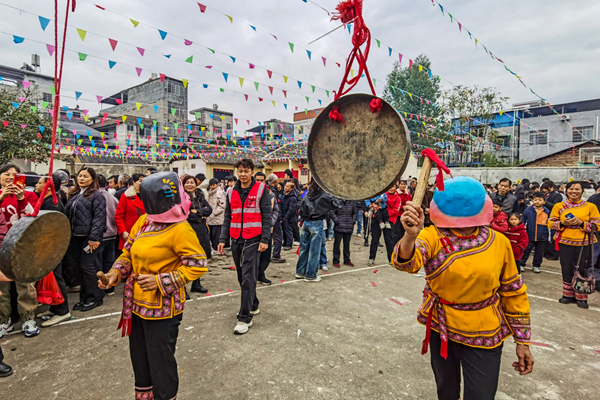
565, 117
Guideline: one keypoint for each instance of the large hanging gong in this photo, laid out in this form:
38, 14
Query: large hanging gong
34, 246
362, 157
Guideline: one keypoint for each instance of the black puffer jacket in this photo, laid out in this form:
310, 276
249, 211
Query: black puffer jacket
87, 215
316, 207
345, 217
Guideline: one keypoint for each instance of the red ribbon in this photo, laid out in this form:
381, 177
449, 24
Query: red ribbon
376, 105
439, 179
336, 115
443, 331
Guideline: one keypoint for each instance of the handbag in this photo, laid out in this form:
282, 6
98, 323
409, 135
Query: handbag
587, 284
48, 291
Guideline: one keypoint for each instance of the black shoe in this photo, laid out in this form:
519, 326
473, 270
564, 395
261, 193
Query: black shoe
379, 245
582, 304
287, 248
264, 281
91, 305
77, 307
552, 258
198, 288
366, 244
5, 370
278, 260
110, 292
567, 300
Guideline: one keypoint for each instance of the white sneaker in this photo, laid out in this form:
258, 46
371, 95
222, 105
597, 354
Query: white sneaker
381, 225
30, 328
255, 312
371, 262
296, 243
388, 226
317, 279
242, 327
6, 328
324, 268
298, 276
46, 315
56, 319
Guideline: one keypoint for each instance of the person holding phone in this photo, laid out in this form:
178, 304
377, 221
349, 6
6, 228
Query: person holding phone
15, 202
573, 220
86, 210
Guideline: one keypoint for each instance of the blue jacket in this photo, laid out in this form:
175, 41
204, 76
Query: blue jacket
536, 230
383, 198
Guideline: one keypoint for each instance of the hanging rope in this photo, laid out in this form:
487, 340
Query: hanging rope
348, 11
58, 70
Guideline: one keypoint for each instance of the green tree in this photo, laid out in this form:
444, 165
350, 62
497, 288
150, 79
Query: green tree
23, 143
472, 111
414, 91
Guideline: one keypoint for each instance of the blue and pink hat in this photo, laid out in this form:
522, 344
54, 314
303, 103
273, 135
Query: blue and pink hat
463, 203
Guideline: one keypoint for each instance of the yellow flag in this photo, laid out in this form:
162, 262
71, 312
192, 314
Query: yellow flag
272, 101
134, 22
222, 118
410, 94
230, 18
138, 105
501, 112
285, 78
241, 82
420, 68
124, 118
85, 117
185, 82
82, 34
166, 129
351, 72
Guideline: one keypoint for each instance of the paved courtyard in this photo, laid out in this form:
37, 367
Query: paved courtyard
351, 336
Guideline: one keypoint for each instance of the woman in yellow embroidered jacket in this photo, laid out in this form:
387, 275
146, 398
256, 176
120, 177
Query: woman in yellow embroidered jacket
474, 298
571, 220
161, 255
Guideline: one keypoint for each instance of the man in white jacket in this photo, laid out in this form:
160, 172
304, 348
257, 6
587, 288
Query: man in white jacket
216, 199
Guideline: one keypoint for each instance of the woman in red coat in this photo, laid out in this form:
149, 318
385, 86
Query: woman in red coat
129, 209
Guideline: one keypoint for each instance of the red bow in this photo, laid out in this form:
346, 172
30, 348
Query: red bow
439, 179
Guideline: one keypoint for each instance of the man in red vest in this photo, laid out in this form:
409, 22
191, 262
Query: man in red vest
248, 223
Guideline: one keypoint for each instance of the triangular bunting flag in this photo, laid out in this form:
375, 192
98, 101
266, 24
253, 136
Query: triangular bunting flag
230, 18
189, 59
81, 33
141, 51
82, 56
291, 46
270, 73
50, 49
134, 22
185, 82
111, 64
43, 22
202, 7
113, 43
241, 82
138, 71
163, 34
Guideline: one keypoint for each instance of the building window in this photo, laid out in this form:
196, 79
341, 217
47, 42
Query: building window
538, 137
175, 88
130, 128
218, 130
506, 141
193, 166
47, 97
228, 126
582, 133
178, 111
76, 115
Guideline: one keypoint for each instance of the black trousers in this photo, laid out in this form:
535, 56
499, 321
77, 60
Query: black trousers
152, 349
63, 308
107, 254
390, 241
246, 258
480, 368
376, 233
215, 235
265, 260
339, 237
538, 257
82, 267
288, 231
295, 229
551, 251
1, 356
398, 231
277, 236
366, 228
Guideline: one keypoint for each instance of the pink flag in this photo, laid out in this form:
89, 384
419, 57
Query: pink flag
26, 84
400, 57
99, 99
141, 51
138, 70
251, 65
187, 42
50, 49
324, 61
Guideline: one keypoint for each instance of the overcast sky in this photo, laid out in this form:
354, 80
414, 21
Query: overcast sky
553, 45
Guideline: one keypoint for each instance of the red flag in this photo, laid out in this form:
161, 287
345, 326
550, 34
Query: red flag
271, 89
298, 251
246, 96
410, 62
270, 73
162, 77
113, 43
284, 93
202, 7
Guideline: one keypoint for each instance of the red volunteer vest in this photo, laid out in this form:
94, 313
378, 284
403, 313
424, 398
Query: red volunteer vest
246, 220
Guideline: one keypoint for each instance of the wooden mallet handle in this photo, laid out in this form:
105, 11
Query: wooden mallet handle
422, 183
102, 277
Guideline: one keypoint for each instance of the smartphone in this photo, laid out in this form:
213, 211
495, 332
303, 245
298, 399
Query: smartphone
570, 215
19, 179
87, 249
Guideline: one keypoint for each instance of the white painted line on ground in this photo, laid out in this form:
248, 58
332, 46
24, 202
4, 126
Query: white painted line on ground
554, 300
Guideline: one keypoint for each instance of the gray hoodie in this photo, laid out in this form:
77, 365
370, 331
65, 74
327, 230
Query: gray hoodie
111, 210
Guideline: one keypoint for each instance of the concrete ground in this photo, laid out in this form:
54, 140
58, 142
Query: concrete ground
351, 336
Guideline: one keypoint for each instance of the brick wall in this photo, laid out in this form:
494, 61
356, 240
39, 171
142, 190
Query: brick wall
566, 158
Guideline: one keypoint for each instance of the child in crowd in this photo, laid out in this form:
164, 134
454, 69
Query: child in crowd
383, 216
535, 218
517, 235
499, 222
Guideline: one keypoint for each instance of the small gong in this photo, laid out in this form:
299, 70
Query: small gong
34, 246
362, 157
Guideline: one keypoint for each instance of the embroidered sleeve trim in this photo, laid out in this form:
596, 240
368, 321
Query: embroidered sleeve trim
404, 266
521, 326
587, 227
167, 284
196, 260
555, 224
123, 267
512, 286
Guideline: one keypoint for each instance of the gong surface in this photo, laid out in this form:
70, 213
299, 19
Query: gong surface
362, 158
34, 246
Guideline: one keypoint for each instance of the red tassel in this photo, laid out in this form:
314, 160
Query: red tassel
431, 154
376, 105
335, 115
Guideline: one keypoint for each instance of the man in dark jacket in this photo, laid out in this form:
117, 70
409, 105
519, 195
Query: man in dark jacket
289, 211
553, 197
248, 221
277, 231
343, 219
509, 201
265, 256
